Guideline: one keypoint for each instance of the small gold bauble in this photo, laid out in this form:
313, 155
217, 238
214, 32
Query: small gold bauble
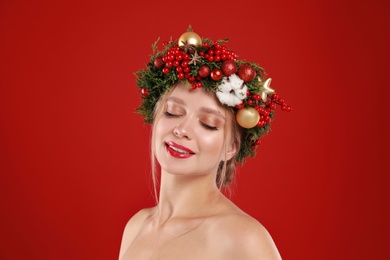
190, 38
247, 117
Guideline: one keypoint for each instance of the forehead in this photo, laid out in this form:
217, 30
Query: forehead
184, 95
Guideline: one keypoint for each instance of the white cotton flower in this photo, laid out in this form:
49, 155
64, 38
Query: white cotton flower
235, 81
228, 99
241, 92
231, 92
225, 87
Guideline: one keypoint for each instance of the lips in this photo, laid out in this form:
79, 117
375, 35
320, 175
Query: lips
178, 151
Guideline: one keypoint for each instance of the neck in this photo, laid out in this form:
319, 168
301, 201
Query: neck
186, 196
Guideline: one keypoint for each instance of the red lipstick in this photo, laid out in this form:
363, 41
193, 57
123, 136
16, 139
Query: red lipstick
177, 150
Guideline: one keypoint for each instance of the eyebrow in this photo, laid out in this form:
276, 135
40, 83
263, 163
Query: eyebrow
212, 111
202, 109
176, 100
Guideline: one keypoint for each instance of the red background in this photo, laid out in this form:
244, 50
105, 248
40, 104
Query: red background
74, 156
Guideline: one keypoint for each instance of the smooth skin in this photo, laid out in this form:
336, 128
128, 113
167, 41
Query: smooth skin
193, 219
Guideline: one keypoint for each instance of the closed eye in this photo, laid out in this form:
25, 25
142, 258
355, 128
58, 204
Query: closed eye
209, 127
167, 114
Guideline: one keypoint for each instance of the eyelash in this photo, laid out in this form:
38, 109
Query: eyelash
206, 126
166, 113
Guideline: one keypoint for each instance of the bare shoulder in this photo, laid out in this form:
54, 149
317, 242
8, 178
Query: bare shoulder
132, 228
241, 236
140, 216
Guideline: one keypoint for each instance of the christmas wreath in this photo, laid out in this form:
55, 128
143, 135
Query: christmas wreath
203, 63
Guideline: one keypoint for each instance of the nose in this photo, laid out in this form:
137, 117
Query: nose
183, 129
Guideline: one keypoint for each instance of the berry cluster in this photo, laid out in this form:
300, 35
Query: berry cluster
265, 108
217, 52
184, 60
265, 111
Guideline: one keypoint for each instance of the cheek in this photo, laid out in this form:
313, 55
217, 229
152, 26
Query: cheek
162, 127
159, 131
214, 142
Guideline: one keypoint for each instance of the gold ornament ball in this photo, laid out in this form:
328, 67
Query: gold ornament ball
247, 117
190, 38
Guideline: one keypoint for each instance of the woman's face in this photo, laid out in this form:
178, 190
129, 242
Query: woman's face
190, 133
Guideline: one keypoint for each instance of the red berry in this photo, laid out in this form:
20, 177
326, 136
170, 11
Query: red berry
165, 70
216, 74
159, 63
228, 67
180, 75
262, 111
179, 57
176, 63
144, 92
256, 97
239, 106
184, 64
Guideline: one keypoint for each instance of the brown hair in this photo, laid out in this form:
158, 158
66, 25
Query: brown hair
227, 169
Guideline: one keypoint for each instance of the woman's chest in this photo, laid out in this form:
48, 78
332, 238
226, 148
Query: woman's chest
178, 244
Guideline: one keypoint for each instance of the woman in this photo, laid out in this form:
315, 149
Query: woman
208, 110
